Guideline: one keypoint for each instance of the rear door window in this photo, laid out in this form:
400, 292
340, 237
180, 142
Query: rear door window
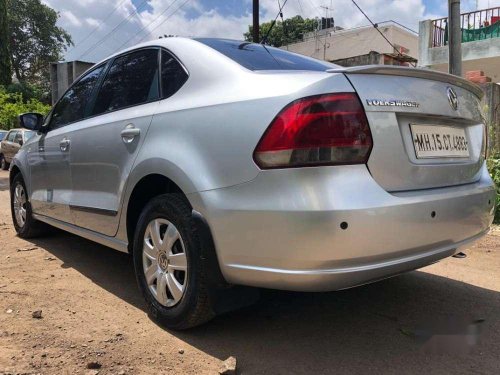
132, 79
71, 107
11, 136
173, 75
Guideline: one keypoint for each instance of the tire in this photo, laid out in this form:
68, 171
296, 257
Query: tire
3, 163
170, 216
30, 227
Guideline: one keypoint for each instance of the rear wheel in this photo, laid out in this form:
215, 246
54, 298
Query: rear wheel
169, 264
24, 223
3, 163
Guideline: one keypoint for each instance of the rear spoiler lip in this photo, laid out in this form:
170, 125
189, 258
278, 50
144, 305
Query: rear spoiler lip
412, 72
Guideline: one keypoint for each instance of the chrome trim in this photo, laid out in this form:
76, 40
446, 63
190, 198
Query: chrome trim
112, 242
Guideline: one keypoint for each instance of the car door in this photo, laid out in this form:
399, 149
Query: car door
49, 154
8, 146
104, 147
17, 144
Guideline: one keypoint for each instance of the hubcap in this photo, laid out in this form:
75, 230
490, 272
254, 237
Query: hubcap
20, 205
164, 262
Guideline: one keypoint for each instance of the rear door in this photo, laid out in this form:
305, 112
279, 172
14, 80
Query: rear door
8, 145
49, 158
427, 132
104, 147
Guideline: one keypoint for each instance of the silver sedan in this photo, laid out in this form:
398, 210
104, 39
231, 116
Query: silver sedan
220, 164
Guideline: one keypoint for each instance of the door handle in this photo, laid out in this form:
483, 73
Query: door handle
129, 133
64, 144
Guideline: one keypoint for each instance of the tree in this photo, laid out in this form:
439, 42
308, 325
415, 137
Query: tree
35, 40
282, 33
12, 104
5, 68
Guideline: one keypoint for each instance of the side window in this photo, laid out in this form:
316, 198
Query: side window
173, 75
71, 107
132, 79
11, 136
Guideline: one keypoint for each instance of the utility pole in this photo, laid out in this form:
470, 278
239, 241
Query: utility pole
454, 38
256, 21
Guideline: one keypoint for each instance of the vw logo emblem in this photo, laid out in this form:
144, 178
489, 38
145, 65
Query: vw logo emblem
452, 98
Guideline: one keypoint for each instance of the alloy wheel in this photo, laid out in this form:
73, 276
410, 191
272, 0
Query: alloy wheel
164, 262
20, 205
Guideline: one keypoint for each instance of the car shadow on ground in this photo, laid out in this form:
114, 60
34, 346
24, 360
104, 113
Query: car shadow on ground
376, 327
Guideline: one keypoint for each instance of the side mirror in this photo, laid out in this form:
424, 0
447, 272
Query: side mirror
31, 121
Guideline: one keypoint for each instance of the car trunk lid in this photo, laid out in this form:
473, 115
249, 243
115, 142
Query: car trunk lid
420, 139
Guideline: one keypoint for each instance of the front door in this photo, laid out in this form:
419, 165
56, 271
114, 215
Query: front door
104, 147
49, 155
48, 159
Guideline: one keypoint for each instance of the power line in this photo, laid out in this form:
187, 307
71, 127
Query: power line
376, 28
97, 27
115, 28
280, 12
144, 27
300, 5
166, 19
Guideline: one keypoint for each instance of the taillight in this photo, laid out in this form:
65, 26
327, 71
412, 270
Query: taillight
328, 129
484, 148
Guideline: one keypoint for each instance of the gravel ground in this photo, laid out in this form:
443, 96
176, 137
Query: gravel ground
93, 316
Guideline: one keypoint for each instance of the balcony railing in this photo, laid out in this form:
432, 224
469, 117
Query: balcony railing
478, 25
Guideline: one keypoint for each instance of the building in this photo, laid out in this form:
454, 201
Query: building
361, 45
480, 43
62, 75
480, 54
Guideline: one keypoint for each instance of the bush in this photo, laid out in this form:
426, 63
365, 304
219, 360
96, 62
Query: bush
494, 168
12, 105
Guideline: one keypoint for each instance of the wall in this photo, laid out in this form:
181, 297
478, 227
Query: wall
478, 55
354, 42
62, 75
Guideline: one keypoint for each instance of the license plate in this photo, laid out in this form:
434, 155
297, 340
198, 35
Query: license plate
436, 141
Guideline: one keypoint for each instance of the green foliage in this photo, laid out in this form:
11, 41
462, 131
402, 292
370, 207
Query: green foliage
289, 31
5, 68
35, 40
12, 105
494, 168
29, 92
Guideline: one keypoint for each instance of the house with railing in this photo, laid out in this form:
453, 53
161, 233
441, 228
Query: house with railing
480, 43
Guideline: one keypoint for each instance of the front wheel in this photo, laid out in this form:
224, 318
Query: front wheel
3, 163
24, 223
169, 264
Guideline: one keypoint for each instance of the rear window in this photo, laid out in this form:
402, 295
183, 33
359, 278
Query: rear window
255, 56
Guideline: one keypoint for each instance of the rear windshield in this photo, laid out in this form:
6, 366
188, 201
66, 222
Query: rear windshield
258, 57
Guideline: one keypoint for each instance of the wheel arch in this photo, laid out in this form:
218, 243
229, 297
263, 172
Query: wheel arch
145, 189
14, 171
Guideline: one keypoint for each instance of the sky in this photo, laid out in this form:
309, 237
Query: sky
102, 27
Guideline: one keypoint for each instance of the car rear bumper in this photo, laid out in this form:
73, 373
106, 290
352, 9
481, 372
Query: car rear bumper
285, 229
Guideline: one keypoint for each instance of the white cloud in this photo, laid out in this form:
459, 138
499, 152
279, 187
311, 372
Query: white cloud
194, 19
92, 22
72, 19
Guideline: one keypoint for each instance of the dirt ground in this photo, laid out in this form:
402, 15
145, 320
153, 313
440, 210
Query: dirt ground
92, 312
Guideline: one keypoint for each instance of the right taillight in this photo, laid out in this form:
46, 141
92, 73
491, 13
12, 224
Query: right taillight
484, 149
328, 129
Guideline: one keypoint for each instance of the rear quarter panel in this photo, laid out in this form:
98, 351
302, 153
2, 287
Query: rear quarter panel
204, 136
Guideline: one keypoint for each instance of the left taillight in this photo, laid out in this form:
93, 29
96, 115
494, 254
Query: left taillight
329, 129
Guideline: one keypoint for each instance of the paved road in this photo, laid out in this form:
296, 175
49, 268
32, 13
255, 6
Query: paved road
92, 312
